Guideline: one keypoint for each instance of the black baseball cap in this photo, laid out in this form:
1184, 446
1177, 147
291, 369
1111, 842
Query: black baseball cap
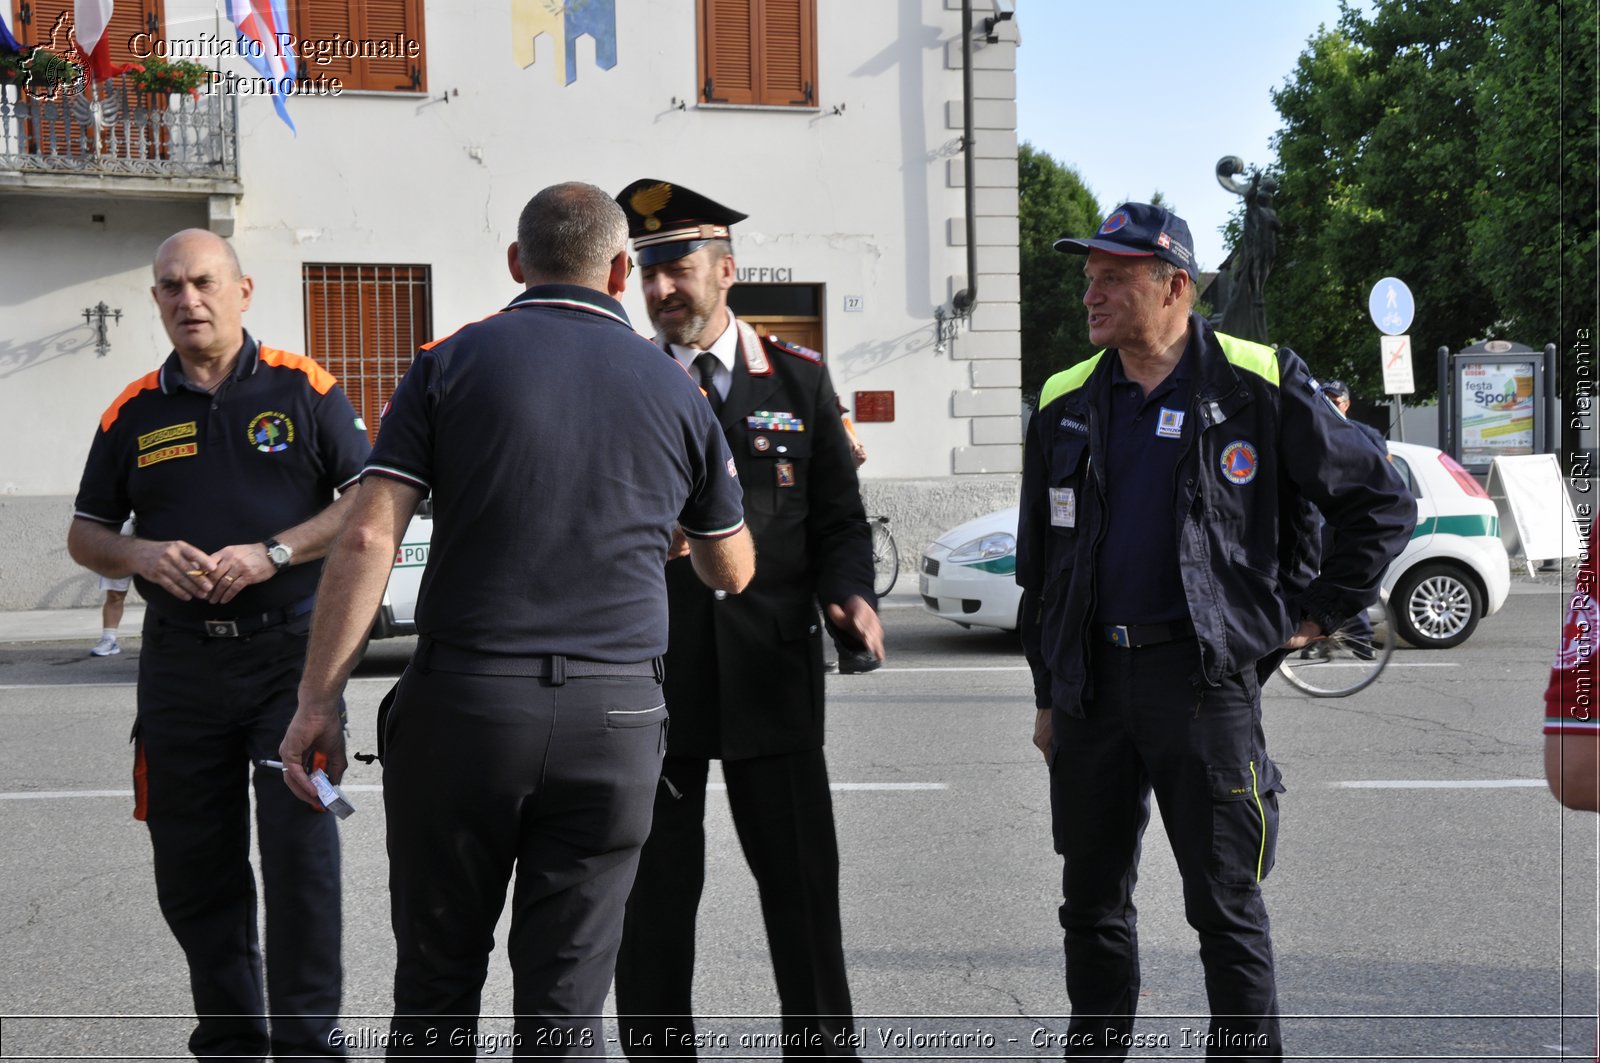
1335, 389
667, 221
1140, 229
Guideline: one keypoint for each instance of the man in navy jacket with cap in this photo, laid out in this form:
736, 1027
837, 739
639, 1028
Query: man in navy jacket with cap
1166, 551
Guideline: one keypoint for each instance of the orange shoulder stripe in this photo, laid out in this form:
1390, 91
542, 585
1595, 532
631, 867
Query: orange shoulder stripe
322, 381
431, 344
149, 382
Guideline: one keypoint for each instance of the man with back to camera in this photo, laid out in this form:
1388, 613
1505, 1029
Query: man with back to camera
744, 673
228, 457
528, 730
1165, 551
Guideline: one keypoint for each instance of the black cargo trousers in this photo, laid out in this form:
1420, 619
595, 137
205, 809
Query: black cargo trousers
1151, 726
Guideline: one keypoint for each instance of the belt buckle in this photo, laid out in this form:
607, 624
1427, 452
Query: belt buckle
222, 629
1117, 635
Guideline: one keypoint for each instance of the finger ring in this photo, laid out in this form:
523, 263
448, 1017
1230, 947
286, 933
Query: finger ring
230, 579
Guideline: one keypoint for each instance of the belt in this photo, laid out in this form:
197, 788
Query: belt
1132, 636
238, 627
558, 668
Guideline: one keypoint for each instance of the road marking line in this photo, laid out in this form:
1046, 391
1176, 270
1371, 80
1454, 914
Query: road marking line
1441, 784
67, 686
956, 668
376, 788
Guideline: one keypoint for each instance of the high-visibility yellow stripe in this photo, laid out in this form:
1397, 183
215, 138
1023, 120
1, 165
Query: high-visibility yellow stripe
1252, 357
1068, 380
1255, 791
1257, 358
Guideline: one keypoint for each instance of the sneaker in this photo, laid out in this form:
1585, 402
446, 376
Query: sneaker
854, 662
106, 647
1363, 650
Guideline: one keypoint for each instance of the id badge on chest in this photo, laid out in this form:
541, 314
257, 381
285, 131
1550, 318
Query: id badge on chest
1063, 507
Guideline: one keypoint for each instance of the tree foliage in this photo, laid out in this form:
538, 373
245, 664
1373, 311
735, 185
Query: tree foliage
1052, 203
1447, 144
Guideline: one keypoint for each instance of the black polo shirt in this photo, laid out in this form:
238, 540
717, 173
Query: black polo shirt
264, 453
1136, 575
561, 447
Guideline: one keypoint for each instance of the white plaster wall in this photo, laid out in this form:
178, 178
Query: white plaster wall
861, 195
859, 201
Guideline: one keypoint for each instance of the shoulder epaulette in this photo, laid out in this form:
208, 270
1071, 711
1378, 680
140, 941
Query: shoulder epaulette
151, 381
320, 379
795, 349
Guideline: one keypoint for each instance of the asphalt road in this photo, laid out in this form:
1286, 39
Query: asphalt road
1431, 900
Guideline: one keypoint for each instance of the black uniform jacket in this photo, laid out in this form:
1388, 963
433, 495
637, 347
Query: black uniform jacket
1262, 446
744, 672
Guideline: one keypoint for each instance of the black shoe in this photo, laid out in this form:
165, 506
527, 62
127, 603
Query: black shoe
855, 662
1363, 650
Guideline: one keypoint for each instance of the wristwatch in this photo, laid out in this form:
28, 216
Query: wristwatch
279, 554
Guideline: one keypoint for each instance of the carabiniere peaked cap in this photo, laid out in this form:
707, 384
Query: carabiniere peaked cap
667, 221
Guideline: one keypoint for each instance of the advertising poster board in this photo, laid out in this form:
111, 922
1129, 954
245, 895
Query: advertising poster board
1496, 400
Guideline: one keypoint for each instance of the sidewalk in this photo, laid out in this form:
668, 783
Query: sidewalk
67, 625
83, 625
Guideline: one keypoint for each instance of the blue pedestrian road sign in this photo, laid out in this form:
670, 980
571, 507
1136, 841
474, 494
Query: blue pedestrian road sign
1391, 306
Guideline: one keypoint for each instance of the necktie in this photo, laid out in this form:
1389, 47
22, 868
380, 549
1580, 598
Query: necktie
706, 364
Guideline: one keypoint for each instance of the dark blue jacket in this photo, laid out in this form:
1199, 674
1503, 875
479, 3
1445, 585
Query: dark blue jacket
1261, 448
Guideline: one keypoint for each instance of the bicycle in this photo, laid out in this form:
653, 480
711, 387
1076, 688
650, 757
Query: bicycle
1344, 662
885, 557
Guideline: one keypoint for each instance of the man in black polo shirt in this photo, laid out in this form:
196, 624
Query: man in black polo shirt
228, 457
1166, 551
561, 449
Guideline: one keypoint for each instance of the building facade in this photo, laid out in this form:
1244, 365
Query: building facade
420, 129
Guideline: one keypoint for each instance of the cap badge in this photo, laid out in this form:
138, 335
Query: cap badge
648, 201
1164, 240
1113, 223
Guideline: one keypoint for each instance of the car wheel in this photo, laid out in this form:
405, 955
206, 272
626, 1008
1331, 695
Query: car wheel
1436, 606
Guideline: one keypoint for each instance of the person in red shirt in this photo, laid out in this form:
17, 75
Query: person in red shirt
1571, 716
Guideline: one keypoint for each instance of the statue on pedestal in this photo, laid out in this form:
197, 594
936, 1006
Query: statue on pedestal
1239, 296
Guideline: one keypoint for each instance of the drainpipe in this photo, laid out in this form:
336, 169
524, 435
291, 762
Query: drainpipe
967, 298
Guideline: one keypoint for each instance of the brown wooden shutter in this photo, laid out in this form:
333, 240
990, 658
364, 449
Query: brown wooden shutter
395, 21
313, 21
128, 18
758, 52
367, 23
787, 57
727, 53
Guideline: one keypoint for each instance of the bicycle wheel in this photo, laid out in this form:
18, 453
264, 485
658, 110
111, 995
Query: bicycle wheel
885, 557
1346, 661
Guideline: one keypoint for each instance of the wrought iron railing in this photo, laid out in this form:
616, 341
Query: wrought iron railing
119, 131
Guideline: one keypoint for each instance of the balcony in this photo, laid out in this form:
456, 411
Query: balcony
125, 142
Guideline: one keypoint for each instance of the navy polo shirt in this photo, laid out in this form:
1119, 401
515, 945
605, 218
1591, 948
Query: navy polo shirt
1136, 575
561, 448
262, 454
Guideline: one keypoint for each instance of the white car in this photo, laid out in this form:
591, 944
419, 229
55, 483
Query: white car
398, 613
1453, 572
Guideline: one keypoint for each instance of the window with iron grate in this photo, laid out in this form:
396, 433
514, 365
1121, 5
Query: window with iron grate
364, 324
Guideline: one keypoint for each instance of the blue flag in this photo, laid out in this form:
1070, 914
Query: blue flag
8, 43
